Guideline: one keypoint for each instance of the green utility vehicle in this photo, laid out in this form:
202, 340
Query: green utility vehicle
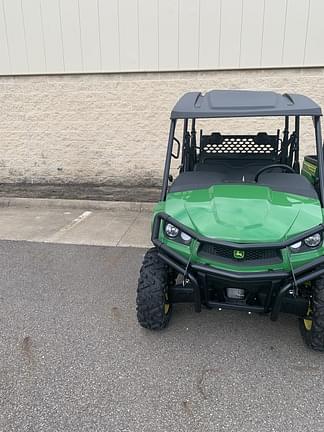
241, 226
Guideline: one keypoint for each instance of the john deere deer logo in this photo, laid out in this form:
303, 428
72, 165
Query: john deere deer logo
238, 254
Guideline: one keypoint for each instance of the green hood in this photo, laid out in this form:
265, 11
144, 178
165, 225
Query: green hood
244, 213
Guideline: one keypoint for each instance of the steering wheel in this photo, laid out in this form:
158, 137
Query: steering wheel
285, 168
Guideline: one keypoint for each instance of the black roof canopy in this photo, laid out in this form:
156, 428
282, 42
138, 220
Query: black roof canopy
243, 103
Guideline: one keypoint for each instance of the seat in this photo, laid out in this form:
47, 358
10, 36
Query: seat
287, 182
192, 180
233, 169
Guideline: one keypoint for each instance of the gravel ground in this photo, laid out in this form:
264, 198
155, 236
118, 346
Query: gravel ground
74, 359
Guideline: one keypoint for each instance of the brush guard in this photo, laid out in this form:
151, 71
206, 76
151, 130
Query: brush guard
282, 282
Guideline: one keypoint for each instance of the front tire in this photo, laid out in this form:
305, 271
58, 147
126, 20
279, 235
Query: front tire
312, 326
153, 307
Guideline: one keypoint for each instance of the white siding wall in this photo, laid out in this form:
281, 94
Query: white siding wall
75, 36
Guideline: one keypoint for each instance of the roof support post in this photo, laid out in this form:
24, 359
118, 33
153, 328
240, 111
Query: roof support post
168, 160
320, 160
184, 145
296, 161
193, 143
284, 155
185, 130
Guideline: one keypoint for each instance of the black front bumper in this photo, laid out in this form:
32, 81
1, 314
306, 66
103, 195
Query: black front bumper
281, 281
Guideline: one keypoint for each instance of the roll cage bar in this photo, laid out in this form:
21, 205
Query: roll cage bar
289, 150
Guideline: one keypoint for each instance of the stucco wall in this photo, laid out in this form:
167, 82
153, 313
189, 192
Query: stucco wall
112, 128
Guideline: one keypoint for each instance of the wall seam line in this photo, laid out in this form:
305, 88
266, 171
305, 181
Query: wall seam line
198, 53
262, 34
118, 27
306, 33
80, 36
61, 33
220, 32
24, 31
242, 17
6, 33
99, 34
43, 33
178, 35
138, 38
284, 36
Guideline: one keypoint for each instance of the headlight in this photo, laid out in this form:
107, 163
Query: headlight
171, 231
185, 237
313, 241
296, 246
175, 234
310, 242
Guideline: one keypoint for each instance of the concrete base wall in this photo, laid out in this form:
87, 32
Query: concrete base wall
112, 128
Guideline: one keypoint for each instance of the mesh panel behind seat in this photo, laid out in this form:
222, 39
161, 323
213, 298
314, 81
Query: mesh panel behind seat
260, 146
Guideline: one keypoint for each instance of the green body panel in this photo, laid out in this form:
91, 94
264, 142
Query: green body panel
243, 213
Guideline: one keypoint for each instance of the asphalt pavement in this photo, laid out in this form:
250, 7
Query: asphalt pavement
73, 357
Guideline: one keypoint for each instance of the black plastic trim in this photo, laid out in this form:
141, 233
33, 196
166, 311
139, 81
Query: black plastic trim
233, 306
283, 291
302, 274
260, 276
276, 257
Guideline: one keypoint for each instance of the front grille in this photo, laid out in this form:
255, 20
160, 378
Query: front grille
238, 256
